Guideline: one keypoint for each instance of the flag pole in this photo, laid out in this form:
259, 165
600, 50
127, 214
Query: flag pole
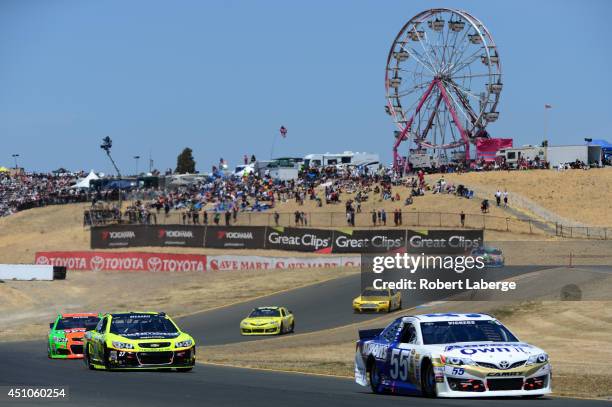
272, 149
547, 107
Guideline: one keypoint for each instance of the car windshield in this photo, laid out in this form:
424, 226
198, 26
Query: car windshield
77, 322
142, 325
465, 331
370, 292
264, 313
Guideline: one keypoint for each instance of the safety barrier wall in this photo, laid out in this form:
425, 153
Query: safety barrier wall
176, 262
341, 240
26, 272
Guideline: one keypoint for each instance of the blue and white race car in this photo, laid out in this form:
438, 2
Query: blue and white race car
450, 355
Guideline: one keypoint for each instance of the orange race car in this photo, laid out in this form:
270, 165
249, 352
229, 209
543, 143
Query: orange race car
66, 334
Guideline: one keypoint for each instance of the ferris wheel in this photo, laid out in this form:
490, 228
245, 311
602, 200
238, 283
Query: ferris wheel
443, 83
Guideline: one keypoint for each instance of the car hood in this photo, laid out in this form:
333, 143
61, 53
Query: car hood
75, 333
261, 321
371, 299
490, 352
150, 335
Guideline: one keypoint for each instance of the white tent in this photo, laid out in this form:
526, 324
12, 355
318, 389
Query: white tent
84, 182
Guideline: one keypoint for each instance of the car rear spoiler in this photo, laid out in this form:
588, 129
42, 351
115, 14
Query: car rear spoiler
365, 334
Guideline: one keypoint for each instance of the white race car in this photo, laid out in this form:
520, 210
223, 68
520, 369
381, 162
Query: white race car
450, 355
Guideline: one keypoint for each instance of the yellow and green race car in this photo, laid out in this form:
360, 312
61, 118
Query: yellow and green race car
138, 340
268, 321
373, 300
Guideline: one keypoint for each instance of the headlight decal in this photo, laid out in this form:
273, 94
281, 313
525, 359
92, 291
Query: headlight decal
184, 344
122, 345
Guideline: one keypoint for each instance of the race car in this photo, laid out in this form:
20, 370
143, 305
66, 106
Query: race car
268, 321
138, 340
66, 335
373, 300
450, 355
492, 256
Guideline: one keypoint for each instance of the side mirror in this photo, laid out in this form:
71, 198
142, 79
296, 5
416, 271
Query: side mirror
51, 325
291, 312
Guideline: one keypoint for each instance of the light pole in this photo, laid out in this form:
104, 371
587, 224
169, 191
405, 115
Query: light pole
136, 157
15, 158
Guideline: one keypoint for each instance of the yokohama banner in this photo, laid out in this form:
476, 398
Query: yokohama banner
235, 237
123, 261
115, 236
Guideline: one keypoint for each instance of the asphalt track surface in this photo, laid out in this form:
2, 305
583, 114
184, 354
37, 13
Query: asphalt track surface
26, 364
319, 306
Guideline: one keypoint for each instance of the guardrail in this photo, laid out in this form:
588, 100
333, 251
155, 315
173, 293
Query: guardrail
340, 219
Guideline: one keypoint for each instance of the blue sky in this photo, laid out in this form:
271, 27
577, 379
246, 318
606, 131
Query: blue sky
222, 76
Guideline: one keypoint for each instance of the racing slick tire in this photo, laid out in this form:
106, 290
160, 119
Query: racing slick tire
375, 379
428, 381
292, 330
281, 330
87, 359
399, 306
106, 360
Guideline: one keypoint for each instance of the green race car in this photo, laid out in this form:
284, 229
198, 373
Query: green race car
66, 335
138, 340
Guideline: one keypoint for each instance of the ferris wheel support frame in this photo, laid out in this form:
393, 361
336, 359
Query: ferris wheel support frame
397, 159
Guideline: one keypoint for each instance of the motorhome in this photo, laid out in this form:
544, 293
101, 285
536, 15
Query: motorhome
347, 158
283, 169
514, 155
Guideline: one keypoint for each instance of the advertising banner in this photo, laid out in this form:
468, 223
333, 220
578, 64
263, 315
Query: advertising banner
227, 262
123, 261
301, 240
235, 237
178, 236
158, 262
368, 241
118, 236
342, 240
443, 241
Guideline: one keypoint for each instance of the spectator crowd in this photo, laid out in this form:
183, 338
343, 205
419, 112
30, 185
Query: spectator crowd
24, 191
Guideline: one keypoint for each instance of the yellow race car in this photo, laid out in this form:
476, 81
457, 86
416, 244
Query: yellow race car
373, 300
138, 340
268, 321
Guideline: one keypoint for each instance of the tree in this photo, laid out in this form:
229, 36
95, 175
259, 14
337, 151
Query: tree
185, 162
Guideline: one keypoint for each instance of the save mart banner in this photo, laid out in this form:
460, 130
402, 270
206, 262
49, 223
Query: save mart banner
324, 241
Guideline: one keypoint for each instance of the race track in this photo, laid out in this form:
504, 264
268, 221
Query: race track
27, 364
319, 306
316, 307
